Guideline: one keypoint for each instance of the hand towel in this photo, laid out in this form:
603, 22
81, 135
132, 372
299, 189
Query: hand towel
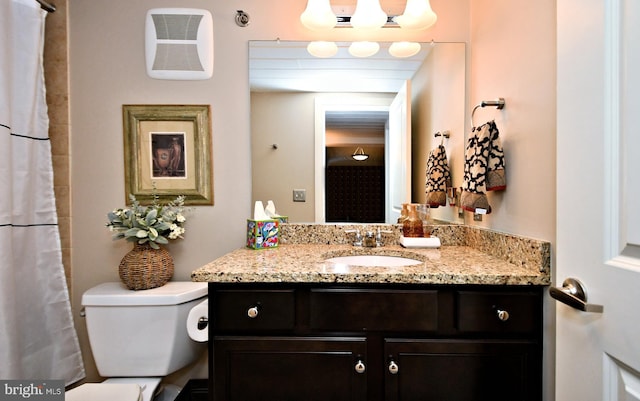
476, 166
438, 177
496, 178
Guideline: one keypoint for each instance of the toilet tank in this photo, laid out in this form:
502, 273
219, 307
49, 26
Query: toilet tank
142, 333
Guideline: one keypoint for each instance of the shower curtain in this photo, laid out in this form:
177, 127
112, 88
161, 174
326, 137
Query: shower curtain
37, 335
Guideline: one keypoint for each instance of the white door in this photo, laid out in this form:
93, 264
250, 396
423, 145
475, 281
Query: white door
398, 154
598, 203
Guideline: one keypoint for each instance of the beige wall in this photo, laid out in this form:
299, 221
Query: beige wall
56, 71
291, 165
511, 53
438, 104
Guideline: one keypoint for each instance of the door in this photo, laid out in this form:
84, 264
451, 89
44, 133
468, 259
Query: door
598, 197
398, 154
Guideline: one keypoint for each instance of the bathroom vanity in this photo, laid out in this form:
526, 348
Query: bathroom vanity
462, 325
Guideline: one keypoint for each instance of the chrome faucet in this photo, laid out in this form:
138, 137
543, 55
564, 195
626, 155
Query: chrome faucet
358, 237
371, 239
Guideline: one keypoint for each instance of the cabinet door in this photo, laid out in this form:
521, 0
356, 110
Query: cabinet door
289, 369
462, 370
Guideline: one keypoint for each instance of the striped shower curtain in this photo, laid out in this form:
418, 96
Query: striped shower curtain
37, 335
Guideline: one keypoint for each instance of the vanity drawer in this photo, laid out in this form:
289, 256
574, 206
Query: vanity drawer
498, 312
373, 310
254, 310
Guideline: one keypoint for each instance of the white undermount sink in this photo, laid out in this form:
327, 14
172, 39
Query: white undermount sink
374, 260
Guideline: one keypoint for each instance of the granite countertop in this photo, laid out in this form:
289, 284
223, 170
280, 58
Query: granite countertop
305, 263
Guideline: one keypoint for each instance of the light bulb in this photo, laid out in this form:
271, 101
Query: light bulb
322, 49
318, 15
368, 15
404, 49
363, 49
417, 15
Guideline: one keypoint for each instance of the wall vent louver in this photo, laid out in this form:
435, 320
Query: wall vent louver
179, 43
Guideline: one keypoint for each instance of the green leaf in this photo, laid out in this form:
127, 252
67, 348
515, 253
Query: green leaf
142, 234
161, 240
132, 232
151, 217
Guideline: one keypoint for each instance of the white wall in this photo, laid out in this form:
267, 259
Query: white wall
512, 54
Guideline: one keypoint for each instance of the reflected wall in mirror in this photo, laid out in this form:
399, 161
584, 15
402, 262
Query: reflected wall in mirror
308, 116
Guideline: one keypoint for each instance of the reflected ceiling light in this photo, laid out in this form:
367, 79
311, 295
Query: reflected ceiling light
359, 154
363, 49
322, 49
417, 15
404, 49
368, 15
318, 15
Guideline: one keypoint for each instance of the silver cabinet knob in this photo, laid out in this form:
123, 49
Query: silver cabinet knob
503, 315
360, 367
393, 368
253, 312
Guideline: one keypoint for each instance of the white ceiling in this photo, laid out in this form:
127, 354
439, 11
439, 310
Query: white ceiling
287, 66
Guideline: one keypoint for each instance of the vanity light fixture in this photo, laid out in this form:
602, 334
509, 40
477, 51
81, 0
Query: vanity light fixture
368, 15
404, 49
322, 49
318, 15
417, 15
359, 154
364, 48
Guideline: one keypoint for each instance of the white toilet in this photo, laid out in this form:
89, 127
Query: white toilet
138, 337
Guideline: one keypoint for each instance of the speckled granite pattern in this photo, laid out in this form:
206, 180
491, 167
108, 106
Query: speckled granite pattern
508, 260
515, 249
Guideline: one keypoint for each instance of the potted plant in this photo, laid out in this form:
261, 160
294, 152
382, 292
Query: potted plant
148, 264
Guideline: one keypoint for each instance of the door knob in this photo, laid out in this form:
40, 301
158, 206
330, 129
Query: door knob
573, 294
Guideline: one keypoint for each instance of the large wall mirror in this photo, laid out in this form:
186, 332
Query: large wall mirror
309, 115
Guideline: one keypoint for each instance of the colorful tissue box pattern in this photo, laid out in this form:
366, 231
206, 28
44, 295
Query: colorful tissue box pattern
262, 234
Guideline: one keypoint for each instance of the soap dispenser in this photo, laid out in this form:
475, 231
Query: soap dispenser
404, 213
412, 226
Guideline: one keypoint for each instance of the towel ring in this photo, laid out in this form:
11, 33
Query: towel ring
499, 104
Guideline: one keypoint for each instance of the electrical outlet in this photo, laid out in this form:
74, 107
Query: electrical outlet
299, 195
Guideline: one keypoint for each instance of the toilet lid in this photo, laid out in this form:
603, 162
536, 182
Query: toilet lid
105, 392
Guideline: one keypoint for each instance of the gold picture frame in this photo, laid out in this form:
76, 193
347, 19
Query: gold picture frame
167, 152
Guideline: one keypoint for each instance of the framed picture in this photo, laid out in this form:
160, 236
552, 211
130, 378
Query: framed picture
167, 152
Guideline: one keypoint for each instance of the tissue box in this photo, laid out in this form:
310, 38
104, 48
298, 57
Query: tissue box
282, 219
262, 234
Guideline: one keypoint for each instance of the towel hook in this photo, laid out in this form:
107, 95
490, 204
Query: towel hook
443, 134
498, 103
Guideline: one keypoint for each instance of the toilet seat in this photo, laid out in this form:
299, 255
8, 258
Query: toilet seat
105, 392
116, 388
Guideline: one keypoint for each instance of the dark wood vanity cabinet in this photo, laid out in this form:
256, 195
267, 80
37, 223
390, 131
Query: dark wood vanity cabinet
308, 342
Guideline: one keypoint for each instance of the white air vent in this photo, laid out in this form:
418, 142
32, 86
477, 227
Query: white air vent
179, 43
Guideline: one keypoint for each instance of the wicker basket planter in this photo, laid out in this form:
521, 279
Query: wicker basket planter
143, 267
